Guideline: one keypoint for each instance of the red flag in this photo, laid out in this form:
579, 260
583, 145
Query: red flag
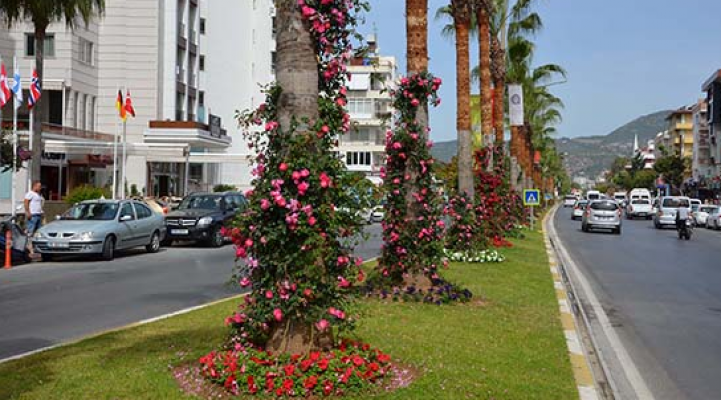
4, 88
129, 104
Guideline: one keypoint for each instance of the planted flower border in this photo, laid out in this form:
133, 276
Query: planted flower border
475, 257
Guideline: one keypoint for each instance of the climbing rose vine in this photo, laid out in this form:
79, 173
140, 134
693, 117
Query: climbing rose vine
412, 235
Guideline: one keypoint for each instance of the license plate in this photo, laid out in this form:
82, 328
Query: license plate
178, 231
59, 245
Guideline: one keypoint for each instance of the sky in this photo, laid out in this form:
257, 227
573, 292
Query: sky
624, 58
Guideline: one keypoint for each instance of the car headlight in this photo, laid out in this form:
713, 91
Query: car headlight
205, 221
38, 235
85, 236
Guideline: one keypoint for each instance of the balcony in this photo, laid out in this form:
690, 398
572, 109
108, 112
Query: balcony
187, 132
193, 42
182, 40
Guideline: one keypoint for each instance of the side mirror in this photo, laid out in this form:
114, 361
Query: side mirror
126, 218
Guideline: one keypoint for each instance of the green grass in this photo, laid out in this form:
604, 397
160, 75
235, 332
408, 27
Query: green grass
509, 347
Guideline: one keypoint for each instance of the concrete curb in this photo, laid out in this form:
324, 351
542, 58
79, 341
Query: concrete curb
582, 372
122, 328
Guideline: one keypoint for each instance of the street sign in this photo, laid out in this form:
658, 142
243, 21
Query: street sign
549, 196
531, 197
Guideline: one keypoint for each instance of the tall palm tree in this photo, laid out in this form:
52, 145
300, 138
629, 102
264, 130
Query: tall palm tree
297, 67
483, 19
462, 11
42, 13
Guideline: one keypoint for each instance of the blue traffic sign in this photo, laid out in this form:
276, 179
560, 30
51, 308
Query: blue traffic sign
531, 197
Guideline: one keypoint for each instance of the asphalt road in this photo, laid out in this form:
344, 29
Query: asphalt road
43, 304
663, 296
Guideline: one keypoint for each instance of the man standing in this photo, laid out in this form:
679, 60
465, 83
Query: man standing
33, 211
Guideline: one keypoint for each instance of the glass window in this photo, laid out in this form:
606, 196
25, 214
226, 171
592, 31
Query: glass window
201, 63
202, 26
49, 45
92, 212
85, 51
127, 209
604, 206
641, 202
676, 203
203, 202
143, 211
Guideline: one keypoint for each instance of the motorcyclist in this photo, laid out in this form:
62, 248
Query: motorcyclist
682, 217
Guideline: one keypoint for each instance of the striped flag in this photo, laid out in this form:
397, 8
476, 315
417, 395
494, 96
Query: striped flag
120, 106
17, 88
129, 104
4, 89
35, 90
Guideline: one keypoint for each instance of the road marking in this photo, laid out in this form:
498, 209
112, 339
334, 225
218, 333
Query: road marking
121, 328
629, 368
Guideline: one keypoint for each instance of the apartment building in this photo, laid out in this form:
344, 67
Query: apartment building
701, 160
369, 106
680, 129
188, 64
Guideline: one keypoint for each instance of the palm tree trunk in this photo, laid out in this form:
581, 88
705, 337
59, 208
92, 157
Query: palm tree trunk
499, 89
484, 45
38, 110
463, 103
297, 68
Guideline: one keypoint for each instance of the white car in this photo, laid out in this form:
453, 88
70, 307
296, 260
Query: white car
714, 214
378, 214
639, 208
569, 200
701, 215
578, 209
667, 209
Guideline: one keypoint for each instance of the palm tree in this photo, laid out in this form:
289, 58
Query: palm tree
297, 68
483, 19
42, 13
462, 11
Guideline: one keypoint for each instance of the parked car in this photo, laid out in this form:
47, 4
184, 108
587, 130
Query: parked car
602, 214
701, 216
378, 213
639, 208
578, 209
101, 227
667, 209
714, 217
569, 200
200, 217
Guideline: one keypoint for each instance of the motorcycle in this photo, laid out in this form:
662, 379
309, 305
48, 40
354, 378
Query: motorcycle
19, 248
685, 230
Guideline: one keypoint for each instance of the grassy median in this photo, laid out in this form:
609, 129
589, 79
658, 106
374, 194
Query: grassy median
508, 346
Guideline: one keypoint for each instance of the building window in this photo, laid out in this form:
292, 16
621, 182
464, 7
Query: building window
273, 60
85, 51
202, 26
360, 108
201, 98
49, 45
275, 26
358, 158
201, 63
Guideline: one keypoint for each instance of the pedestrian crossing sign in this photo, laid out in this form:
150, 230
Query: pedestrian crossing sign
531, 197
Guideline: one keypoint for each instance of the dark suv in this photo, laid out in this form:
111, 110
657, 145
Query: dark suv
201, 216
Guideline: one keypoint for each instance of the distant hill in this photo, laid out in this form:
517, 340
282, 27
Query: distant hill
590, 155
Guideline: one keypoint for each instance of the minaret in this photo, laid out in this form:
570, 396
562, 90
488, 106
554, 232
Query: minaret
635, 145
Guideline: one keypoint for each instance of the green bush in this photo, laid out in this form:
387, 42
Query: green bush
82, 193
224, 188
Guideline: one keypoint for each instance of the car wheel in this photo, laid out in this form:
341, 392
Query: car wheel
46, 257
154, 244
216, 237
109, 248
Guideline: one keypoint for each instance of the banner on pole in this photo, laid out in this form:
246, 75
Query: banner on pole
515, 97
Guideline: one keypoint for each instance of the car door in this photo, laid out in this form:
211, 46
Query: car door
146, 225
127, 231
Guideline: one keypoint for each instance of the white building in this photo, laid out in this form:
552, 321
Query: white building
369, 106
701, 160
189, 65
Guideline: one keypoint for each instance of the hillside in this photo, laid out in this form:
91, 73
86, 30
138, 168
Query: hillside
590, 155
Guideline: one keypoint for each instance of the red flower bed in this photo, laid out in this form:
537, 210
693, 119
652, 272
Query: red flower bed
350, 368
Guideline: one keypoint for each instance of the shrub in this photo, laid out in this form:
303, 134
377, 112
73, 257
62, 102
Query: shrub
224, 188
86, 192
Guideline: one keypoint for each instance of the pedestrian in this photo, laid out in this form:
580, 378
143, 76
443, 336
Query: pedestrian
33, 211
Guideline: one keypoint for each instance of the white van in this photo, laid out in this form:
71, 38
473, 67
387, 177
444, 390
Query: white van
639, 194
620, 198
593, 195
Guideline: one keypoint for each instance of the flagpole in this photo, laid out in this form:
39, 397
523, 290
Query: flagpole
125, 161
13, 190
115, 163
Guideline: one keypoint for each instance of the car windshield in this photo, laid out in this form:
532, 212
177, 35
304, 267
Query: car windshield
694, 207
604, 206
708, 209
646, 202
676, 203
204, 202
92, 212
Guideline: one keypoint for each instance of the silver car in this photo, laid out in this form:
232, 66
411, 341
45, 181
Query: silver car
667, 209
602, 214
100, 227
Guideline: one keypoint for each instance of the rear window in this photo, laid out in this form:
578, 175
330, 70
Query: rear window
646, 202
676, 203
604, 206
708, 209
570, 197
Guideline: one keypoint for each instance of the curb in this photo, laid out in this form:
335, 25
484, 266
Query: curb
121, 328
582, 372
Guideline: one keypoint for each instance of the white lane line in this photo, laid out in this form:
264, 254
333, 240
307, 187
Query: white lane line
124, 327
629, 367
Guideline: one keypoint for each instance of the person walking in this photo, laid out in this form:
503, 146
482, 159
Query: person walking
34, 202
